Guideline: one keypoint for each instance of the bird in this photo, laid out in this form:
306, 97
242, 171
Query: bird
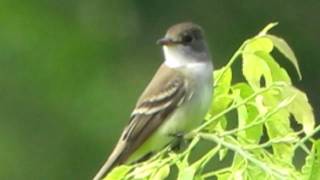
174, 102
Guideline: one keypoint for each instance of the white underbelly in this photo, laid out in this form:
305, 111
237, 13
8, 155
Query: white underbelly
190, 114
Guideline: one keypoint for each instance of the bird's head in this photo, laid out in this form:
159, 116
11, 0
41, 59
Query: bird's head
184, 41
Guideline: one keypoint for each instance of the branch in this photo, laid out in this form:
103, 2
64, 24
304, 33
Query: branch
307, 137
244, 154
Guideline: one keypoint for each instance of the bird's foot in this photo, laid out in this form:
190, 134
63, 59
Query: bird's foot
179, 142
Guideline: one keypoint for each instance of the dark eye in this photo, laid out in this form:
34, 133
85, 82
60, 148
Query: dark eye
187, 38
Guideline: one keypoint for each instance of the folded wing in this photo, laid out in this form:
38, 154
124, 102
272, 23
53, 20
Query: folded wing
160, 99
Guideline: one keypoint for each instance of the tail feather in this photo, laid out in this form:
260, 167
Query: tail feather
116, 158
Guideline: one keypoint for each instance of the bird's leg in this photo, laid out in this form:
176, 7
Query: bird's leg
179, 142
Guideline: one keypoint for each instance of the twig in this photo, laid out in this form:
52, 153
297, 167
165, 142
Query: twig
230, 108
264, 118
215, 173
307, 137
232, 60
284, 140
206, 158
244, 154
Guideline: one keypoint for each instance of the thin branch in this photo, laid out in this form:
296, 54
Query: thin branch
215, 173
231, 61
263, 119
307, 137
284, 140
230, 108
206, 158
244, 154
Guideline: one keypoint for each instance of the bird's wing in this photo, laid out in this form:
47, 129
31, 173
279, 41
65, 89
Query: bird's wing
152, 109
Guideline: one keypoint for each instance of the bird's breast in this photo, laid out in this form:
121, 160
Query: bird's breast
191, 113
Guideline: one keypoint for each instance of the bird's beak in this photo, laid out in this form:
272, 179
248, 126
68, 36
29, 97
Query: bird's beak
165, 41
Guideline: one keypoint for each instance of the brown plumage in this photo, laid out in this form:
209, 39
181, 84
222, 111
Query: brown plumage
152, 108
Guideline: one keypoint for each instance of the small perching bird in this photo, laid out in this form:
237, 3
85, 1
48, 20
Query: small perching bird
175, 101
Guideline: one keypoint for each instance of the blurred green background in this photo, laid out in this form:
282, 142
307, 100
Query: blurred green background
71, 71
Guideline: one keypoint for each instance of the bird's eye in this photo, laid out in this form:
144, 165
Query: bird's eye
187, 38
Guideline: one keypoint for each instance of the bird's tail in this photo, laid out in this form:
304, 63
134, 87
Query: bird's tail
116, 158
108, 165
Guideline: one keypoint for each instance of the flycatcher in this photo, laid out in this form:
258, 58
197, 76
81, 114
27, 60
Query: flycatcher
175, 101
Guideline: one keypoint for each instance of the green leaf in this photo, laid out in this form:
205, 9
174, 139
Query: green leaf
221, 90
224, 176
245, 89
301, 109
218, 126
267, 28
255, 172
187, 173
222, 99
162, 173
253, 68
278, 126
145, 170
219, 103
246, 115
239, 166
223, 77
278, 73
262, 109
242, 117
222, 153
254, 133
118, 173
311, 170
286, 50
259, 44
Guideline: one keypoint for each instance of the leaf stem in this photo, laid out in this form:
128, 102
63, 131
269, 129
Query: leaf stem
232, 60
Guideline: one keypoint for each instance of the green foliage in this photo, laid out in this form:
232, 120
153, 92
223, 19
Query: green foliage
257, 154
311, 169
118, 173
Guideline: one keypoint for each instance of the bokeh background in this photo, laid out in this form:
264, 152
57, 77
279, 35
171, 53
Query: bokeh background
71, 70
